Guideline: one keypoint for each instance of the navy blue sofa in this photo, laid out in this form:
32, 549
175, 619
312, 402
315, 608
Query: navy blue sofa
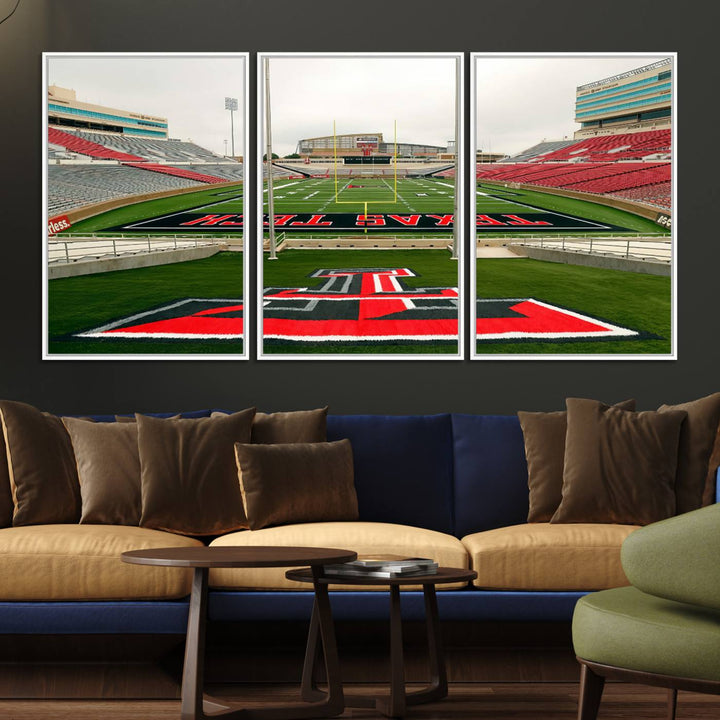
453, 473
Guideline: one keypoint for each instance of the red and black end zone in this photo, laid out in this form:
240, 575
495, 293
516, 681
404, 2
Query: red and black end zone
363, 305
534, 221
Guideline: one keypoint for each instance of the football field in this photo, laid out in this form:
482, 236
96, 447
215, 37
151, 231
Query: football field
412, 206
349, 195
346, 301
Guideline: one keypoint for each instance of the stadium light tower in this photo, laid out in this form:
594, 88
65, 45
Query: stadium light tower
231, 104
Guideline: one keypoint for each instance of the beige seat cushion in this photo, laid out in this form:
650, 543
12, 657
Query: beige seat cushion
82, 562
365, 538
544, 556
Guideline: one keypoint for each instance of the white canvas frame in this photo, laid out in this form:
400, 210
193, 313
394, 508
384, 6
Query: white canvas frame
247, 316
260, 150
474, 354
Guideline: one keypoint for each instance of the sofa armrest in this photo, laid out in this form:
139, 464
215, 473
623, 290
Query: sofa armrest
677, 558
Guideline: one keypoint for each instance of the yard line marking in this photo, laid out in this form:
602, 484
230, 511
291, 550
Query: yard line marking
399, 196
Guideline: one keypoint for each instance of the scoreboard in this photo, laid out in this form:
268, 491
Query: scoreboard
367, 159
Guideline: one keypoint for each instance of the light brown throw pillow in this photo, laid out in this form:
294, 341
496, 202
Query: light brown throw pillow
41, 466
108, 466
297, 483
619, 466
188, 474
544, 435
697, 439
296, 426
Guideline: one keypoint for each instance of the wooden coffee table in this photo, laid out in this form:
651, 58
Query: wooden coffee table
396, 703
194, 706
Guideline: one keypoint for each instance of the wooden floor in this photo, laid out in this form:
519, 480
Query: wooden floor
481, 701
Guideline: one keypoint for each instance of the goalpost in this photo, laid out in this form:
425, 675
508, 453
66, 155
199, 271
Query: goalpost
365, 203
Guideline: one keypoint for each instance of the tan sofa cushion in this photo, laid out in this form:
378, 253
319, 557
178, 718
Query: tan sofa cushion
544, 556
365, 538
82, 562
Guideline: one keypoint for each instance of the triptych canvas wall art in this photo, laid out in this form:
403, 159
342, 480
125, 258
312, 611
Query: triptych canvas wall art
367, 227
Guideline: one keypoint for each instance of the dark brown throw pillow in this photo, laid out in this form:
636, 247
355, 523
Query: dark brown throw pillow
188, 474
619, 466
697, 439
544, 435
41, 466
297, 483
296, 426
6, 501
108, 466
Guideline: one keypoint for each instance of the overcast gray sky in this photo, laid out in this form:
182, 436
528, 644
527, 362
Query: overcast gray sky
189, 91
362, 94
524, 100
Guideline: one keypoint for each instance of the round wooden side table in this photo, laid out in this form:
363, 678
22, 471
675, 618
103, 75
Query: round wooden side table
396, 703
193, 705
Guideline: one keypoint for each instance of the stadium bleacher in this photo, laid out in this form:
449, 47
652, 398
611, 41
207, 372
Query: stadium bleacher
650, 194
538, 150
75, 186
177, 171
77, 144
153, 150
612, 148
232, 171
631, 165
87, 168
601, 178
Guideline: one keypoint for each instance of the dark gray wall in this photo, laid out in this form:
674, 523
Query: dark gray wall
403, 25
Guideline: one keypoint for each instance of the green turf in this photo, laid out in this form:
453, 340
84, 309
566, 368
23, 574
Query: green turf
82, 303
636, 301
414, 195
163, 206
434, 268
503, 200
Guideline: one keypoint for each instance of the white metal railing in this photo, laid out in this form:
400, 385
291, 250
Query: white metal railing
647, 248
96, 248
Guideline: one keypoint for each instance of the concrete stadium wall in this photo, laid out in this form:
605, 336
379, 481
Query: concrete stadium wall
641, 209
90, 210
131, 262
608, 262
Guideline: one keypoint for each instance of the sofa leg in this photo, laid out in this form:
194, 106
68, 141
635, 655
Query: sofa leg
672, 703
591, 688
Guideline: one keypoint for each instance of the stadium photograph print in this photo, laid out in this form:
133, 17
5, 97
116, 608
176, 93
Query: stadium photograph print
144, 177
574, 191
360, 225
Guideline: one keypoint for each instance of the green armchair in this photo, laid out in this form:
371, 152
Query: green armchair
664, 629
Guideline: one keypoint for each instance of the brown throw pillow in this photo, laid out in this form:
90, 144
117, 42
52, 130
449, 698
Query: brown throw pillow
188, 474
544, 435
697, 439
297, 426
131, 418
108, 466
6, 501
297, 483
41, 466
619, 466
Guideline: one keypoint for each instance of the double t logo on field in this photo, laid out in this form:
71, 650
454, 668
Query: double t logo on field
360, 305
